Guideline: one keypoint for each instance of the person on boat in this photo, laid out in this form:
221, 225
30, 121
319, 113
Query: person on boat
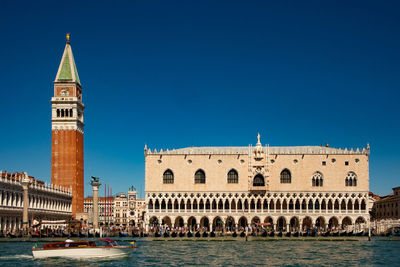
68, 241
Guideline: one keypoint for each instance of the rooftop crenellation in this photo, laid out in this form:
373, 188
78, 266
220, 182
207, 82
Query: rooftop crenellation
278, 150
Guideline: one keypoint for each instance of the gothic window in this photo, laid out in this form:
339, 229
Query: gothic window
258, 180
286, 177
351, 179
317, 179
168, 177
200, 177
233, 177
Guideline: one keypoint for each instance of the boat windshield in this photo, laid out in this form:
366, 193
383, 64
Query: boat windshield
79, 244
106, 242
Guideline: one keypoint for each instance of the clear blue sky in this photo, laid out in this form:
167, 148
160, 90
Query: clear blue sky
173, 74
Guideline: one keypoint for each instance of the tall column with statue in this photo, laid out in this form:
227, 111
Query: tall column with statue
25, 186
95, 185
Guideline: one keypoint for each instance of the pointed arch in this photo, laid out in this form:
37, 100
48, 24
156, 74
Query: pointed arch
356, 205
317, 179
310, 204
297, 204
363, 205
349, 205
278, 204
323, 204
252, 205
233, 177
258, 205
330, 205
284, 205
286, 176
233, 205
179, 222
336, 206
150, 205
259, 180
220, 204
214, 204
281, 223
226, 204
168, 177
246, 204
265, 204
207, 204
271, 204
291, 206
333, 222
316, 204
200, 177
304, 205
239, 205
351, 179
201, 204
343, 205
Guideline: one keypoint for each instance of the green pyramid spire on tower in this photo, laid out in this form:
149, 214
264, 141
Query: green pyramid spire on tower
67, 71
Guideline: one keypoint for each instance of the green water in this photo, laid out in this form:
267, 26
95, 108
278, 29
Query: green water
378, 252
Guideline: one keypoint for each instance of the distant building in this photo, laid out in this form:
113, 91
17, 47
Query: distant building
128, 209
122, 210
137, 209
388, 207
106, 210
285, 187
47, 203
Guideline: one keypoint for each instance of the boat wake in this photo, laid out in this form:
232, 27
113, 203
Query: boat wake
11, 257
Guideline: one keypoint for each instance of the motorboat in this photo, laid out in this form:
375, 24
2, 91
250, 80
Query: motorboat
83, 249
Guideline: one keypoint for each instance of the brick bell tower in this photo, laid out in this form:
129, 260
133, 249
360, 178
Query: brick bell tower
67, 129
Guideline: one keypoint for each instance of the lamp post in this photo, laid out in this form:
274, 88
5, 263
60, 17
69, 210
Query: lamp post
95, 186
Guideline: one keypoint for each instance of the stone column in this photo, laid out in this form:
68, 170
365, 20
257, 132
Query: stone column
95, 186
25, 186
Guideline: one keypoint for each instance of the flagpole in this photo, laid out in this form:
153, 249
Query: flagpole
108, 208
105, 203
111, 213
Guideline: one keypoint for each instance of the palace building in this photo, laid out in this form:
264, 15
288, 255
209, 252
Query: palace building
388, 207
67, 130
288, 188
44, 201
